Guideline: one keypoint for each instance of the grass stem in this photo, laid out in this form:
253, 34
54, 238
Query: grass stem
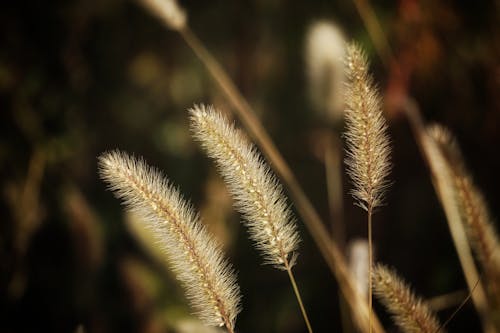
299, 298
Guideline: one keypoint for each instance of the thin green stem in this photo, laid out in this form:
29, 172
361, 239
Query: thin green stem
299, 299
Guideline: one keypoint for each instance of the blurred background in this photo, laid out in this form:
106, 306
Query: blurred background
79, 77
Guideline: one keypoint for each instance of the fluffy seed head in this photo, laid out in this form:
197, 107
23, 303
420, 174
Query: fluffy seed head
367, 142
195, 257
411, 314
257, 193
325, 48
168, 11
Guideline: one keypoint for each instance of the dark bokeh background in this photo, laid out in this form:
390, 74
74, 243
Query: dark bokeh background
83, 76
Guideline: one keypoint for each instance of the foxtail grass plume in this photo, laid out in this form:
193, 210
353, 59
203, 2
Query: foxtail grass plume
410, 312
168, 11
325, 49
257, 193
367, 145
474, 211
367, 142
195, 257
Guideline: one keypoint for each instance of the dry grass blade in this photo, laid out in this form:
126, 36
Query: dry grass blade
195, 257
410, 313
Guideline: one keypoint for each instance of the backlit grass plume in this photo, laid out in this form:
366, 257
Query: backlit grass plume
367, 143
257, 193
410, 313
208, 279
474, 212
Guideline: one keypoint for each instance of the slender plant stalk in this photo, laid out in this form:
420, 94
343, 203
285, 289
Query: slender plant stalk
457, 310
299, 298
328, 248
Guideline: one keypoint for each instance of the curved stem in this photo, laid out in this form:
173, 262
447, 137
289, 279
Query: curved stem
299, 299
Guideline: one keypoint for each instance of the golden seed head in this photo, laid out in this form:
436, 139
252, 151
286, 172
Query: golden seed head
208, 278
257, 193
367, 143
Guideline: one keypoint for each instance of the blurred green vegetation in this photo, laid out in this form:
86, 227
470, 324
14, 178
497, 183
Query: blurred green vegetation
80, 77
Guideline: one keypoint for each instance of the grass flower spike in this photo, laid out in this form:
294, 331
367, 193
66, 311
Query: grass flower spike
257, 193
411, 314
368, 145
194, 256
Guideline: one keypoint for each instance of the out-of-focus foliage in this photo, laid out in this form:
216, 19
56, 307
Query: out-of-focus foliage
80, 77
